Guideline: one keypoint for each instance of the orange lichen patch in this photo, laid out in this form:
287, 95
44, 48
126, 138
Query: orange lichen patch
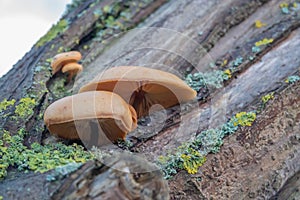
142, 87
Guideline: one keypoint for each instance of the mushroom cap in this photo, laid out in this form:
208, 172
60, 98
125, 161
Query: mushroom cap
74, 67
63, 58
87, 116
142, 87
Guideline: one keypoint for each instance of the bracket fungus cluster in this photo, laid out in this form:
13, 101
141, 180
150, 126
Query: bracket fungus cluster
111, 104
67, 62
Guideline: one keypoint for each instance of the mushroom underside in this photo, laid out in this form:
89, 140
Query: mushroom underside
144, 94
91, 131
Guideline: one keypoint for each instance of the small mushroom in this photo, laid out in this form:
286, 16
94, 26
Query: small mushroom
142, 87
67, 62
90, 116
72, 68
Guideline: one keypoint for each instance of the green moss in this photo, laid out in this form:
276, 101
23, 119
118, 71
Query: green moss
25, 107
5, 104
37, 158
191, 155
56, 29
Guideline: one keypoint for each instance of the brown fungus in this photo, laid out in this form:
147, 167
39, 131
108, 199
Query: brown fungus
67, 62
72, 69
97, 116
142, 87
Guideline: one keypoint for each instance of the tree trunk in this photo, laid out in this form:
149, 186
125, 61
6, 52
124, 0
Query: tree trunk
182, 37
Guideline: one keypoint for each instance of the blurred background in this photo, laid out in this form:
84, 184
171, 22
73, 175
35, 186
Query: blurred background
22, 23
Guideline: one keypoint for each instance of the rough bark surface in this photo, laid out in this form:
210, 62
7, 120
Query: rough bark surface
257, 162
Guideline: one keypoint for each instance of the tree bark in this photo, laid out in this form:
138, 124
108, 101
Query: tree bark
181, 37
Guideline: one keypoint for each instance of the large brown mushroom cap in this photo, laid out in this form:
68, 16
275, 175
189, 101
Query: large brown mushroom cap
142, 87
83, 116
64, 58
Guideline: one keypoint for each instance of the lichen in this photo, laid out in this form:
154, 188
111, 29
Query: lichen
267, 97
244, 119
237, 61
191, 155
60, 27
5, 104
37, 158
256, 49
259, 24
212, 79
292, 79
227, 72
73, 5
192, 160
62, 171
25, 107
264, 41
284, 8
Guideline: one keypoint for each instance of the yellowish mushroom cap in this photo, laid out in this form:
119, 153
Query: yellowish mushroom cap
64, 58
142, 87
72, 67
86, 116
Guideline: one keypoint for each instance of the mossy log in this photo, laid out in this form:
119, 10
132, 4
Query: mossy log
256, 42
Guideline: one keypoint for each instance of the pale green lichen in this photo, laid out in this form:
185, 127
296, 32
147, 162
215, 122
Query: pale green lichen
237, 61
62, 171
208, 79
292, 79
256, 49
25, 107
37, 158
284, 8
5, 104
191, 155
